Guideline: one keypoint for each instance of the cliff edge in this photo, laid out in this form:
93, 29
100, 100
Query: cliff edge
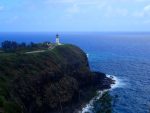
54, 81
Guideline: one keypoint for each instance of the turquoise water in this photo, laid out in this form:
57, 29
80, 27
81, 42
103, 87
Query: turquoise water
125, 55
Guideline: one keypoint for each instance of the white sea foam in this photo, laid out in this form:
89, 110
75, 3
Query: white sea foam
89, 107
118, 82
87, 55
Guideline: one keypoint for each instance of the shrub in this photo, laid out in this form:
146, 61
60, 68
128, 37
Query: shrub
11, 107
1, 101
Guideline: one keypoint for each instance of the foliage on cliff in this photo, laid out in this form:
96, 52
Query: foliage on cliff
47, 81
13, 46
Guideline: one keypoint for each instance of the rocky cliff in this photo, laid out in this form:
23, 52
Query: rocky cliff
54, 81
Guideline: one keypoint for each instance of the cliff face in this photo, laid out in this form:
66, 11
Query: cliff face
46, 82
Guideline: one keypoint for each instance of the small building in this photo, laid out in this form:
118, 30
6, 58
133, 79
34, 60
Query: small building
58, 40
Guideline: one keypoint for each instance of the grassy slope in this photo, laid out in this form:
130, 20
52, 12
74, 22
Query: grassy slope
18, 71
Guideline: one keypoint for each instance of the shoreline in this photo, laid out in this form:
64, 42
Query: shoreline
89, 106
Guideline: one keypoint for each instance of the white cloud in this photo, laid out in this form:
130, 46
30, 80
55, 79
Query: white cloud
142, 0
138, 14
121, 11
107, 8
12, 19
59, 1
74, 9
113, 12
147, 8
143, 12
1, 8
77, 2
146, 21
93, 1
146, 11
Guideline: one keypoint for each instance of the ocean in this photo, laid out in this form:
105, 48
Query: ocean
123, 55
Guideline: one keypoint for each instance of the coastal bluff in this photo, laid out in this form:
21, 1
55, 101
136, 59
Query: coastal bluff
54, 81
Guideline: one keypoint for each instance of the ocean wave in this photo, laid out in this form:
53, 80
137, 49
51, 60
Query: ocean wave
119, 83
89, 107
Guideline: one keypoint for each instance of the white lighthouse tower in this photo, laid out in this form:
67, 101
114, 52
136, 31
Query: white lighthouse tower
57, 40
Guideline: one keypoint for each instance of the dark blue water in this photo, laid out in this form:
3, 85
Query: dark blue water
125, 55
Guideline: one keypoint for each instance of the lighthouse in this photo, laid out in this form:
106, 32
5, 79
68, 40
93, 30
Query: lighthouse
57, 40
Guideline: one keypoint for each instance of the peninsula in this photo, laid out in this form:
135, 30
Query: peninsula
52, 81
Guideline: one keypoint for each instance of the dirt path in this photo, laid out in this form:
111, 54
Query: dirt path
40, 51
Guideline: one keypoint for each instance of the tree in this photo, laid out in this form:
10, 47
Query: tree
23, 45
9, 46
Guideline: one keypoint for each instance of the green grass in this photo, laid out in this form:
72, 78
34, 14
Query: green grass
19, 64
11, 107
2, 99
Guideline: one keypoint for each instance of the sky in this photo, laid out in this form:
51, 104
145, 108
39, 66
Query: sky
74, 15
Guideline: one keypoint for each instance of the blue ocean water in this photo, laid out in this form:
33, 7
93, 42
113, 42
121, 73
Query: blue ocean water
125, 55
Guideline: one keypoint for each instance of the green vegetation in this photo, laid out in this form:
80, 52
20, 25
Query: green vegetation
8, 106
105, 103
50, 72
2, 101
53, 80
13, 47
11, 107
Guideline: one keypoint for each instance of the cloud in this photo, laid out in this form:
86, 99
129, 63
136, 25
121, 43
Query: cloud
77, 2
143, 12
59, 1
112, 12
1, 8
142, 0
147, 8
107, 7
12, 19
74, 9
146, 21
146, 11
93, 1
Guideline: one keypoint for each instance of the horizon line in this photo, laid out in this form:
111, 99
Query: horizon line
74, 32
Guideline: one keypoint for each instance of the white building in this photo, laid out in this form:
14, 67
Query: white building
58, 40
